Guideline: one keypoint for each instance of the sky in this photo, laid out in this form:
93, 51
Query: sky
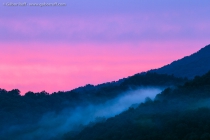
59, 48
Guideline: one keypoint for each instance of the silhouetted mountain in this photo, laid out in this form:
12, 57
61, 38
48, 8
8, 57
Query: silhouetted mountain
180, 113
22, 116
189, 66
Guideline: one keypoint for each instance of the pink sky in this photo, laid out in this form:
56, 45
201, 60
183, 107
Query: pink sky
64, 68
93, 42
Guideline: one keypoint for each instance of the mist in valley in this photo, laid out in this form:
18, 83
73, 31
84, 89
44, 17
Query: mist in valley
55, 125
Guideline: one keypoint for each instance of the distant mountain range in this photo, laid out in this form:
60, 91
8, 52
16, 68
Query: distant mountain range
196, 64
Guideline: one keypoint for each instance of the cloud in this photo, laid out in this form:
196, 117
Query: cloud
126, 21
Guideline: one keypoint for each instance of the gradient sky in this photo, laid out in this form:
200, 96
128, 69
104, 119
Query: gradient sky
92, 41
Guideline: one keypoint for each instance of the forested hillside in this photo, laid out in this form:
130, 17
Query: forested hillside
180, 113
24, 112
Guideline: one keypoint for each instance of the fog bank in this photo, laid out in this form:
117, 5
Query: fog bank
54, 126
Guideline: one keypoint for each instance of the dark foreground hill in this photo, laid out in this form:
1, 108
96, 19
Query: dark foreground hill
189, 66
34, 115
180, 113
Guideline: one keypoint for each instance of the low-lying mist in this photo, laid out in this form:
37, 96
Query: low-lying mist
54, 126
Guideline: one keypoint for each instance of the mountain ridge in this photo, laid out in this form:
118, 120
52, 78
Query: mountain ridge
190, 66
169, 69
